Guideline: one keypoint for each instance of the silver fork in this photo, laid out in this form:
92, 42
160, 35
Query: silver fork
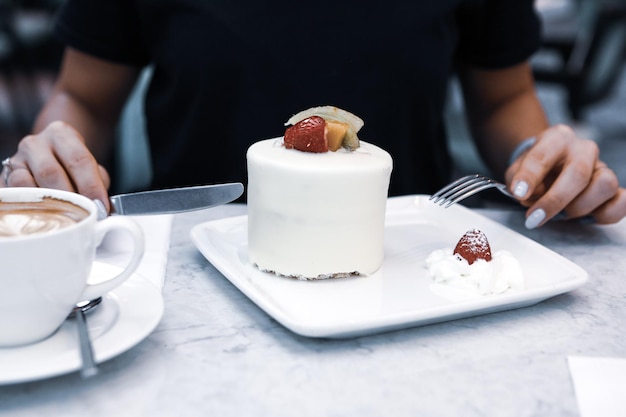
466, 187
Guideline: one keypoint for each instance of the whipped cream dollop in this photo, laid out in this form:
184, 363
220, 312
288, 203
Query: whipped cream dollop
502, 274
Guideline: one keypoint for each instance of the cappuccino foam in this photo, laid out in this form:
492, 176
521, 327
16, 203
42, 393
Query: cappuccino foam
27, 218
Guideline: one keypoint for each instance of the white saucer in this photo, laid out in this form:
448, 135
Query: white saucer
400, 293
124, 318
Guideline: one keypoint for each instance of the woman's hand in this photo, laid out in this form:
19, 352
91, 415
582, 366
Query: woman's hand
57, 157
562, 173
88, 95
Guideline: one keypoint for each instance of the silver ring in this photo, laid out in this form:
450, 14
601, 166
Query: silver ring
8, 167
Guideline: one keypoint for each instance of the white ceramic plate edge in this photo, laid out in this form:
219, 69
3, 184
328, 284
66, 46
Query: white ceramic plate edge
397, 208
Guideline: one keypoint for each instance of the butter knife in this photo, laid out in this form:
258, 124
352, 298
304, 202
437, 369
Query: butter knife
175, 200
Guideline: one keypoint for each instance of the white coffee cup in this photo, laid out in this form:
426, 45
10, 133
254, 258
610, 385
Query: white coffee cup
44, 274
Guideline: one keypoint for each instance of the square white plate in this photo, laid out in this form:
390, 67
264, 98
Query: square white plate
399, 294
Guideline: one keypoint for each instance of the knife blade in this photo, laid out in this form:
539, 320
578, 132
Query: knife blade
175, 200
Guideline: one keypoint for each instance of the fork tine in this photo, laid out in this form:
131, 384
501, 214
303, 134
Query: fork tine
453, 187
468, 192
455, 196
466, 187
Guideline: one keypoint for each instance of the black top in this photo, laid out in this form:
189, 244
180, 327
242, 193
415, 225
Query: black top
228, 73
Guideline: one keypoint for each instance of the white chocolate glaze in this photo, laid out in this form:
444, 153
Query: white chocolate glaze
316, 216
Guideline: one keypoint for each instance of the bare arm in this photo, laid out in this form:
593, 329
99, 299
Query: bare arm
75, 128
560, 173
502, 110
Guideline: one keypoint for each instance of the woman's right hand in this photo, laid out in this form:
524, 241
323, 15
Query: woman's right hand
89, 95
57, 157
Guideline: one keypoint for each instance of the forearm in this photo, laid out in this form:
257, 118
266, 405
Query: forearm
504, 128
499, 122
98, 131
89, 95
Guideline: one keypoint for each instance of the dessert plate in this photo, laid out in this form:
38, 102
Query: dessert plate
401, 293
123, 319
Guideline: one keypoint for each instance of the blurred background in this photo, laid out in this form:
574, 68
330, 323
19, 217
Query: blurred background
29, 59
580, 69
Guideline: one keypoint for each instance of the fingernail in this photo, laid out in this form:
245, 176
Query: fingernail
535, 219
102, 211
521, 188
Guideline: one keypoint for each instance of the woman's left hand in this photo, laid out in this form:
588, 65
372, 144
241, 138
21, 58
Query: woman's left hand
562, 173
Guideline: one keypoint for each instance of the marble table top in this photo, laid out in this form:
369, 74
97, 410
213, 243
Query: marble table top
216, 353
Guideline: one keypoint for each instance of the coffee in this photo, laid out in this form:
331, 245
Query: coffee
48, 214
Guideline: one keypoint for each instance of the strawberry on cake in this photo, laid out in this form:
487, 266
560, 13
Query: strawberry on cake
317, 198
471, 267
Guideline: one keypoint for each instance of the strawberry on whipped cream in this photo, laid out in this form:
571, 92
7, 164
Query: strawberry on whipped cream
471, 271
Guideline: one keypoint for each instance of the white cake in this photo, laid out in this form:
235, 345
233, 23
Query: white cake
316, 215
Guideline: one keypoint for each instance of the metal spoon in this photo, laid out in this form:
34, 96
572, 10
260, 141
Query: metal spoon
88, 368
